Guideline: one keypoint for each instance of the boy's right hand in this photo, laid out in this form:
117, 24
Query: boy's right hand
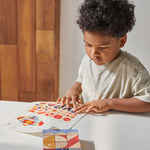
69, 100
72, 96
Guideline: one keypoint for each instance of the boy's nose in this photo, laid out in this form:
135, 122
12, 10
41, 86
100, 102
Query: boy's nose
94, 51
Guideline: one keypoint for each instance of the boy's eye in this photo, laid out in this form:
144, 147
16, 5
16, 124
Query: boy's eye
103, 47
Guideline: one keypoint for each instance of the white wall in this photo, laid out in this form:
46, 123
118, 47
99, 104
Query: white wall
139, 38
72, 46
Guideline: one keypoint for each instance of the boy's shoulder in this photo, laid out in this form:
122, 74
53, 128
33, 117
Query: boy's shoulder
125, 62
132, 63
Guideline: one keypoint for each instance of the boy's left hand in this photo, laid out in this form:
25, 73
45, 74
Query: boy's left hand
97, 106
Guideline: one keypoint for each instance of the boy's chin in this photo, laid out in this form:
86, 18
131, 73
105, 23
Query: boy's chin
99, 63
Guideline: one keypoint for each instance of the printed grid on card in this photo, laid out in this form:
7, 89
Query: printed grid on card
39, 116
54, 110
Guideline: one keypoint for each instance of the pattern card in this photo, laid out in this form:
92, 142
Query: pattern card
30, 121
63, 139
39, 116
54, 110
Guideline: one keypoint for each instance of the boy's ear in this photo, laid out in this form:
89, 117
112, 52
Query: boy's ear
123, 40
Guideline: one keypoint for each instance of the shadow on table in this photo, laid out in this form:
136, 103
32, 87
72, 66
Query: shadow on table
113, 112
38, 134
87, 145
7, 146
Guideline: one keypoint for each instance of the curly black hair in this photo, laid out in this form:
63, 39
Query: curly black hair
111, 17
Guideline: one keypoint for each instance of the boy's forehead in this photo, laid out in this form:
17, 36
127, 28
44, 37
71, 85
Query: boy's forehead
96, 38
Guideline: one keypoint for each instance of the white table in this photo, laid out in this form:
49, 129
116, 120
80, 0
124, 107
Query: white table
107, 131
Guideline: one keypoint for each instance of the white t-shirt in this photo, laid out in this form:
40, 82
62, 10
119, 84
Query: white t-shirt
124, 77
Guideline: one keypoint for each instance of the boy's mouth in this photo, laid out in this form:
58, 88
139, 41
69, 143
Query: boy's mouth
97, 59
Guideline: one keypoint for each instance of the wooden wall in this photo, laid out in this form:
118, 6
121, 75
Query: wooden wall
29, 49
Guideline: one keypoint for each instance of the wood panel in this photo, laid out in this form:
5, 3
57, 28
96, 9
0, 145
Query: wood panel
45, 64
57, 39
26, 45
29, 49
27, 96
8, 22
47, 49
45, 12
8, 69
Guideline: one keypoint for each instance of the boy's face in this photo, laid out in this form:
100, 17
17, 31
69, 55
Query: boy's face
102, 48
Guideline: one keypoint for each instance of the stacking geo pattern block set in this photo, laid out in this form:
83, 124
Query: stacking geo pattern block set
63, 139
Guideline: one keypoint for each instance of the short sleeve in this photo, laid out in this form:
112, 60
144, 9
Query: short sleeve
142, 86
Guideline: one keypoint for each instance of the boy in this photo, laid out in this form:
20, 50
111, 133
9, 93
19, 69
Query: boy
109, 78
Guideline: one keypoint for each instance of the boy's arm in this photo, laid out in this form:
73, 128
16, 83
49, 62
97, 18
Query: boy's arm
125, 104
129, 105
72, 95
76, 87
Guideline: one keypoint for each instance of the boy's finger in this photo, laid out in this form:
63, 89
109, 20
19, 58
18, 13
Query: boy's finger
90, 109
68, 99
58, 100
79, 101
93, 108
82, 110
74, 101
78, 107
63, 99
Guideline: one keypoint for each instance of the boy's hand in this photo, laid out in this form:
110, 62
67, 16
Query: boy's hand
72, 96
97, 106
69, 100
